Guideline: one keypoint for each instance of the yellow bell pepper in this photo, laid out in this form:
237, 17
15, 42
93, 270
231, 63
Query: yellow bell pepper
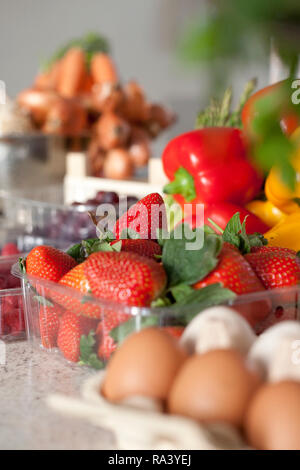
286, 233
266, 211
277, 192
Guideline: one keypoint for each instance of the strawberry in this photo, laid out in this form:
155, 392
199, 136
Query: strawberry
235, 273
49, 324
106, 344
125, 277
142, 247
144, 217
175, 331
270, 249
278, 315
71, 328
9, 249
76, 279
275, 266
48, 263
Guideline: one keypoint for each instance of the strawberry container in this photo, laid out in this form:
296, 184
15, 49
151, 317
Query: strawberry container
12, 321
102, 325
42, 217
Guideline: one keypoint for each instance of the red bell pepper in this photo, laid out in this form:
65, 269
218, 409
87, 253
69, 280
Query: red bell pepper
210, 165
222, 212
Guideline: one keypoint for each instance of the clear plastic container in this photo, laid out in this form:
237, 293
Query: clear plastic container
110, 322
12, 321
43, 218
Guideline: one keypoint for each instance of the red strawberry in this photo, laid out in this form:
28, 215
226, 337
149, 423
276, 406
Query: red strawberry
276, 267
142, 247
71, 328
145, 217
106, 343
278, 315
125, 277
235, 273
9, 249
175, 331
270, 249
76, 279
49, 324
48, 263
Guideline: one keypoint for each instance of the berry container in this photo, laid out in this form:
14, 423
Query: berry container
12, 321
105, 324
41, 216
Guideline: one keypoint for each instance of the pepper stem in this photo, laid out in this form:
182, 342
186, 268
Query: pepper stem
183, 184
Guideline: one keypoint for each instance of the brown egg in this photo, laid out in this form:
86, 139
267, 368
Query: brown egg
273, 418
117, 165
145, 364
214, 387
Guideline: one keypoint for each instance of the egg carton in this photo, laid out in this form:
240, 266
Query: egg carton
140, 422
138, 427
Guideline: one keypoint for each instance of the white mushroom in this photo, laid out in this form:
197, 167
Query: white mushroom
277, 352
218, 328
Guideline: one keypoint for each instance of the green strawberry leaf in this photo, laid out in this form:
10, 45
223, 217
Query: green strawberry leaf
200, 299
161, 302
181, 291
235, 234
120, 332
22, 265
129, 233
87, 353
117, 246
189, 255
80, 251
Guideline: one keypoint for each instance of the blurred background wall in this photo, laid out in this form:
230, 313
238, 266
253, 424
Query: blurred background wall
143, 35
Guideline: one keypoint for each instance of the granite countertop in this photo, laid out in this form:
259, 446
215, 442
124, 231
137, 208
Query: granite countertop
26, 422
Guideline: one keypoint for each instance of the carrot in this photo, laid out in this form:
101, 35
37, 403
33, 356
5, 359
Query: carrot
73, 73
103, 69
107, 97
87, 84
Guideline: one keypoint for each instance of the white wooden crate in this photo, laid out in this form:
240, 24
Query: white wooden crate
79, 186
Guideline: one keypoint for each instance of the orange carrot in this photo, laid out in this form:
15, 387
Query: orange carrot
103, 69
73, 73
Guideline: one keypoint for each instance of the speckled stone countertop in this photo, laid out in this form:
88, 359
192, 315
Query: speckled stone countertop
26, 422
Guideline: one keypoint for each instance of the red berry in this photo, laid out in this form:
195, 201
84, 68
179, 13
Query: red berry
71, 328
10, 249
145, 217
